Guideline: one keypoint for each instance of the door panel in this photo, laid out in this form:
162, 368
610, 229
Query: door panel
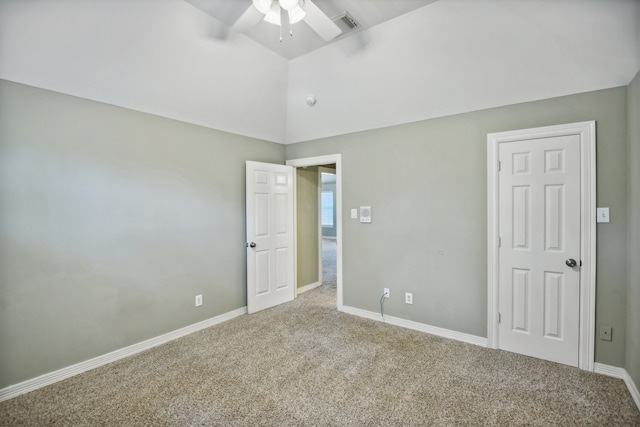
521, 304
554, 200
539, 295
269, 235
553, 304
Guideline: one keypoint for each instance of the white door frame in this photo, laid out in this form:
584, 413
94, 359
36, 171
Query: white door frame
587, 134
319, 161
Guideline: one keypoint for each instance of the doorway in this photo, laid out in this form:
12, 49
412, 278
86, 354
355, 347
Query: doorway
541, 238
327, 226
334, 245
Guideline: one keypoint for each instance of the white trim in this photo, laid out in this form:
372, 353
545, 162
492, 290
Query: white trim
587, 133
610, 371
295, 233
633, 389
70, 371
308, 287
325, 160
416, 326
613, 371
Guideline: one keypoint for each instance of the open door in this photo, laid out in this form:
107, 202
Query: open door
270, 247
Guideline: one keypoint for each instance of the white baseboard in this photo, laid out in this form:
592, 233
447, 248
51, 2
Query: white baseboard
308, 287
64, 373
610, 371
599, 368
613, 371
422, 327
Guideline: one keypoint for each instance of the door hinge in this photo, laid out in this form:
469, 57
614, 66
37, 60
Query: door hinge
499, 318
499, 166
580, 263
499, 241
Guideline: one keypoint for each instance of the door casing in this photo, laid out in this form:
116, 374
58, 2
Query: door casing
586, 131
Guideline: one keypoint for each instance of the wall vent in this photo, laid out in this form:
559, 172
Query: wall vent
346, 23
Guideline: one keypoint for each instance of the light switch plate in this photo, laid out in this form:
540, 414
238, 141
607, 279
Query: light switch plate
602, 215
354, 213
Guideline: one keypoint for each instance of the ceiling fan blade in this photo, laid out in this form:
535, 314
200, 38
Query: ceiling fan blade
319, 22
249, 19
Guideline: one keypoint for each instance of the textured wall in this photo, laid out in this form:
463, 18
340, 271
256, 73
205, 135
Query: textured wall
455, 56
633, 291
163, 57
426, 183
111, 222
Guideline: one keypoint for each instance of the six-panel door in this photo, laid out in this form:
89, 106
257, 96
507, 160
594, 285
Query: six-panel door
539, 294
270, 256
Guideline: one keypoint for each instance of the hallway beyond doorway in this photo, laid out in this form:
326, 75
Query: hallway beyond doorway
329, 270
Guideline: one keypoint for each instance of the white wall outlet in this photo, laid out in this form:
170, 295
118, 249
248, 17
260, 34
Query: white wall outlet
198, 300
408, 298
386, 293
354, 213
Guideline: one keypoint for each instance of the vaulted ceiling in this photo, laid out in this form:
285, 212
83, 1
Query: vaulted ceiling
434, 58
365, 14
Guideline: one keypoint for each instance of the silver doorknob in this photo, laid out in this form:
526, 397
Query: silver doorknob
253, 245
571, 262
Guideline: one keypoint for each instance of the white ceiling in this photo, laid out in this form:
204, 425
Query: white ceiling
168, 58
367, 13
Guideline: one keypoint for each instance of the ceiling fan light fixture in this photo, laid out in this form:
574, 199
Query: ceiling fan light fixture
296, 14
273, 15
288, 4
263, 5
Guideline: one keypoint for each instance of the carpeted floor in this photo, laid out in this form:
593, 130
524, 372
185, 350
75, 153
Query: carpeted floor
304, 363
329, 267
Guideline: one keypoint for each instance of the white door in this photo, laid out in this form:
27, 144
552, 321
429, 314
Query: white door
539, 228
270, 250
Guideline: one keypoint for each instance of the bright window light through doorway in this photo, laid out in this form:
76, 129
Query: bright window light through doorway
327, 208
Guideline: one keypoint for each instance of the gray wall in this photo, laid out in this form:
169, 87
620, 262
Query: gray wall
111, 222
633, 291
307, 206
426, 183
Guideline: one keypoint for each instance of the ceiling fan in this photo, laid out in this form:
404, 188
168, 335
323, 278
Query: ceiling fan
278, 12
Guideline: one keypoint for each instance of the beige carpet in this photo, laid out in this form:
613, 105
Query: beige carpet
304, 363
329, 262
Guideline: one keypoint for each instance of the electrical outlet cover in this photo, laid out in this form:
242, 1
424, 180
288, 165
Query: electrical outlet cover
408, 298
